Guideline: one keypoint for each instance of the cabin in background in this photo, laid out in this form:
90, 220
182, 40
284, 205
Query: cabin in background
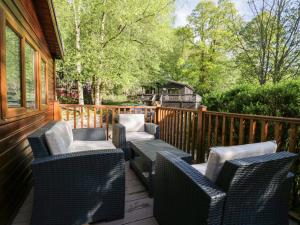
169, 94
29, 44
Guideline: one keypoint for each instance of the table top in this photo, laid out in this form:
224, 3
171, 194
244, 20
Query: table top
149, 148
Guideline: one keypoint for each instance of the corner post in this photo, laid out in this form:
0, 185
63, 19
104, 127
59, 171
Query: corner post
57, 111
200, 147
157, 116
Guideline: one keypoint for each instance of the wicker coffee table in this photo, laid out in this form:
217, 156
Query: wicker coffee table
143, 156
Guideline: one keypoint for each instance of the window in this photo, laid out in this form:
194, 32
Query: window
25, 81
30, 77
43, 83
13, 69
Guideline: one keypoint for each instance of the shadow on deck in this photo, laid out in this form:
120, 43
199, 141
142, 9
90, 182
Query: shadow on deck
138, 205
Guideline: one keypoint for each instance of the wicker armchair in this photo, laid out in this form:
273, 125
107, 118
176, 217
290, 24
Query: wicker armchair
249, 191
76, 188
131, 127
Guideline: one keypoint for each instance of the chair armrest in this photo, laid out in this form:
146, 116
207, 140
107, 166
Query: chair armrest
89, 134
182, 195
85, 160
119, 136
153, 129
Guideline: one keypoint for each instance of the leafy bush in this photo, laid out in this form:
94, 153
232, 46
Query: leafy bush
273, 100
67, 100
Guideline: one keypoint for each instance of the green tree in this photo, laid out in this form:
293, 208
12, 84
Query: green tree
121, 43
270, 42
203, 54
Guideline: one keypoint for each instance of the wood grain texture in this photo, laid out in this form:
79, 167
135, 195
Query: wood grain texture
15, 151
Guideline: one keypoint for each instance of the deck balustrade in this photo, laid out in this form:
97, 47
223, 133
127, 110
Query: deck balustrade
195, 131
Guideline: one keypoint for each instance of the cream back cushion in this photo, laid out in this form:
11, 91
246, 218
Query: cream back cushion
69, 128
59, 138
218, 155
133, 122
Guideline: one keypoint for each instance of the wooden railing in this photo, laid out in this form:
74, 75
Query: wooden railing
87, 116
179, 128
195, 131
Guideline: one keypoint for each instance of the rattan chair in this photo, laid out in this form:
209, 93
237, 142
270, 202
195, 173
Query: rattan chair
249, 191
76, 188
131, 127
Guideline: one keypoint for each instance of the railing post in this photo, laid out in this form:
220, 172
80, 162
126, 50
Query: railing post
57, 111
200, 149
293, 136
157, 116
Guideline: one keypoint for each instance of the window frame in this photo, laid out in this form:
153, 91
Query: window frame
43, 60
25, 38
36, 76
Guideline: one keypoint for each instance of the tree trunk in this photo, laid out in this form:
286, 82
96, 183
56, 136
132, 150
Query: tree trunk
96, 80
78, 48
80, 93
97, 92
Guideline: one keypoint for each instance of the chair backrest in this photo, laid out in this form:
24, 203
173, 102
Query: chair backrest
38, 141
132, 122
59, 138
255, 189
219, 155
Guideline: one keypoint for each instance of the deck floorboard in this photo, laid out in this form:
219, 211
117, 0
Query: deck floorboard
138, 205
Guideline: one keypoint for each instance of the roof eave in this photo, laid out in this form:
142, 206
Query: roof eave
60, 54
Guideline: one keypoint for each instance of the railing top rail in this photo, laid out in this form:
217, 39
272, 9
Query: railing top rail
256, 117
108, 106
178, 109
235, 115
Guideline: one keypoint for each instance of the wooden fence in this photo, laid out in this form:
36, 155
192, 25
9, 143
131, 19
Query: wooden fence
195, 131
88, 116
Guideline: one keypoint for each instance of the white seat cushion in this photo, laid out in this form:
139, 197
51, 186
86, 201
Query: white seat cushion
218, 155
200, 167
133, 122
133, 136
79, 146
59, 138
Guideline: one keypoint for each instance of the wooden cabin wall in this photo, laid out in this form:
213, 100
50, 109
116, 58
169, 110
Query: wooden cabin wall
15, 152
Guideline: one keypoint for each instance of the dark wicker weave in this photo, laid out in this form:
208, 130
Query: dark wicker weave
250, 191
76, 188
119, 136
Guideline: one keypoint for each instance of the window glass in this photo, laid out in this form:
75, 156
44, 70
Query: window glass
30, 76
43, 83
13, 69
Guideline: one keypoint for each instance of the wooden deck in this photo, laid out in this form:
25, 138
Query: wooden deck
138, 206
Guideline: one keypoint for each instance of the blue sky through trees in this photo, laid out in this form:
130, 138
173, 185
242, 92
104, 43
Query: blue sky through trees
185, 7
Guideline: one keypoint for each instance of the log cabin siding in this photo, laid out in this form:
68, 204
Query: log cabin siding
15, 152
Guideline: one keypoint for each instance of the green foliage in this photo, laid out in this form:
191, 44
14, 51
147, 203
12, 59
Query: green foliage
121, 42
268, 46
275, 100
203, 50
67, 100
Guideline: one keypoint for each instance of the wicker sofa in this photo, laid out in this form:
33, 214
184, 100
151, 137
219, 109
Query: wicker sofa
131, 127
247, 191
77, 187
